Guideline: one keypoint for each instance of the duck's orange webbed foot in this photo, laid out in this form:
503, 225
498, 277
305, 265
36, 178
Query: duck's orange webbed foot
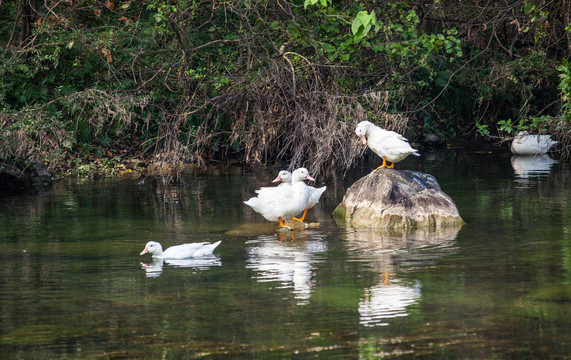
391, 166
302, 217
282, 223
384, 164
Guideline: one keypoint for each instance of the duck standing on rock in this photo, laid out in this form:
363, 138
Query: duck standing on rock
283, 202
389, 145
284, 177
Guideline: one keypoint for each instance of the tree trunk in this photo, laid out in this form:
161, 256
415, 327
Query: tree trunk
26, 16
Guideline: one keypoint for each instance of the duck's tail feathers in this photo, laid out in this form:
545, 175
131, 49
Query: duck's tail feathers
252, 202
214, 245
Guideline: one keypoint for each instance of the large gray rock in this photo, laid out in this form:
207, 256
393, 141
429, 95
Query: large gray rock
389, 198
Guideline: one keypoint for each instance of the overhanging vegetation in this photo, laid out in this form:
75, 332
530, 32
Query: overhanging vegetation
253, 81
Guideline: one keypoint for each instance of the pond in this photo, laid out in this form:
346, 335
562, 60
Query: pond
73, 285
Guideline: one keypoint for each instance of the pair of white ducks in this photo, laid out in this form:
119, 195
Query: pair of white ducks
288, 199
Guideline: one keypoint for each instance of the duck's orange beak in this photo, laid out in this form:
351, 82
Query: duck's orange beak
278, 179
309, 178
364, 139
144, 252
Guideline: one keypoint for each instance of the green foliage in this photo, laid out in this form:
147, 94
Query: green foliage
482, 129
505, 126
565, 87
407, 42
565, 80
192, 79
362, 24
323, 3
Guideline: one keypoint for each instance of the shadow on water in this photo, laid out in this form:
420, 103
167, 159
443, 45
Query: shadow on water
74, 286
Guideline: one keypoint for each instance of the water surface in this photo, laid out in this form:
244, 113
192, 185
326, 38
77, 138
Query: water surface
73, 286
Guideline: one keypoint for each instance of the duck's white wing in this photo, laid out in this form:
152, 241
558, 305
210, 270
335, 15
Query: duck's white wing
274, 190
395, 150
378, 138
282, 201
270, 201
395, 135
380, 133
315, 195
206, 249
186, 251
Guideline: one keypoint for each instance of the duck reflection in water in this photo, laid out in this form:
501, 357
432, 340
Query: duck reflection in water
383, 253
527, 167
382, 302
290, 264
155, 268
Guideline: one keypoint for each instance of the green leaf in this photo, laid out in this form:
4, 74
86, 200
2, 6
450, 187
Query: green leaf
356, 25
274, 25
309, 3
362, 24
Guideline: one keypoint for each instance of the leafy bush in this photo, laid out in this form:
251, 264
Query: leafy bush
256, 81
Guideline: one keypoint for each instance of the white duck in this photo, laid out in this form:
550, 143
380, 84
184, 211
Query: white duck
389, 145
283, 202
525, 144
284, 177
184, 251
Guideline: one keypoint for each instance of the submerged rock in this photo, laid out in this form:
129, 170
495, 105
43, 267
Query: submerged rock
252, 229
298, 225
390, 198
269, 228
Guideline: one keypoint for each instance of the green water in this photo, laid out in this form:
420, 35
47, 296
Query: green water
73, 286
